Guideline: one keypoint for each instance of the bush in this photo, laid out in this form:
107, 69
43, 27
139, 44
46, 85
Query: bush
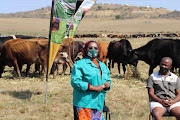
99, 7
118, 17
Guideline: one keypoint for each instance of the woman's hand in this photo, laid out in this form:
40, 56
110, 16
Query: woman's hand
106, 85
98, 88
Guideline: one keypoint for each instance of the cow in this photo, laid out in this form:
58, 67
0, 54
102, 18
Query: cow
103, 51
61, 58
72, 48
155, 50
29, 37
6, 38
117, 53
17, 52
79, 56
152, 35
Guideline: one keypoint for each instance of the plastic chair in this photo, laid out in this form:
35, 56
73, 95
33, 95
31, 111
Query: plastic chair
107, 111
166, 114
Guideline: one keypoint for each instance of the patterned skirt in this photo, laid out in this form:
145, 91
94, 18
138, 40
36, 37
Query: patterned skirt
87, 114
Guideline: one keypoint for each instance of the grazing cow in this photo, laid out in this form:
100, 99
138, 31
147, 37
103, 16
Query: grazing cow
152, 35
155, 50
28, 37
77, 36
72, 48
103, 51
20, 51
61, 58
79, 56
118, 51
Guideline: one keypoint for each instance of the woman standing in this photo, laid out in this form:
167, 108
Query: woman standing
90, 80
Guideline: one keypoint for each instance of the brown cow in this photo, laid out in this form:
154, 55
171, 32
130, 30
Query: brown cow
61, 58
103, 51
72, 48
21, 51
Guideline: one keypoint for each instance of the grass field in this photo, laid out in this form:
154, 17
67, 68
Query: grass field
40, 27
127, 100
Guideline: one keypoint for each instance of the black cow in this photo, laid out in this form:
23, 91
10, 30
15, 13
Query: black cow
4, 39
117, 53
29, 37
155, 50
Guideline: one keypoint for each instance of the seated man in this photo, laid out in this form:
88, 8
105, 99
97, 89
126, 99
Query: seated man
164, 91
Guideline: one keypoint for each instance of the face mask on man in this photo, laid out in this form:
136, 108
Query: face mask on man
92, 53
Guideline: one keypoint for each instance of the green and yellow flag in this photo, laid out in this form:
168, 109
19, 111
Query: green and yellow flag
65, 18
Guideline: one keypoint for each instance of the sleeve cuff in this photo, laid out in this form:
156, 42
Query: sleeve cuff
88, 87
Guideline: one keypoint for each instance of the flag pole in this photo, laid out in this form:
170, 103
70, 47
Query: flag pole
51, 18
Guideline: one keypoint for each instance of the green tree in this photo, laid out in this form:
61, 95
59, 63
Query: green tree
117, 17
99, 7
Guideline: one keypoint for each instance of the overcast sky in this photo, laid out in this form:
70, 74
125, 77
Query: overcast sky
11, 6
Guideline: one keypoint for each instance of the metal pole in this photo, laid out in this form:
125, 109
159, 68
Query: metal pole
52, 9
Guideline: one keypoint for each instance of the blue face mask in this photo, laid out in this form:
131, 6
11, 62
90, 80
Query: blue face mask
92, 53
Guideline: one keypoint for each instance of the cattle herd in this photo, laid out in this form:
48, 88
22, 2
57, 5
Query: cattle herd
19, 50
128, 35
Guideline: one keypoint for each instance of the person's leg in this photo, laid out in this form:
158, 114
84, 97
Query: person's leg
157, 110
175, 110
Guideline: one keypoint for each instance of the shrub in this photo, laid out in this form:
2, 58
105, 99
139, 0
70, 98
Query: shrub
117, 17
99, 7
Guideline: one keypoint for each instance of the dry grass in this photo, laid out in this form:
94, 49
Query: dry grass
24, 99
40, 27
24, 26
128, 26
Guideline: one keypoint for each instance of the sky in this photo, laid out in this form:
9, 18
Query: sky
12, 6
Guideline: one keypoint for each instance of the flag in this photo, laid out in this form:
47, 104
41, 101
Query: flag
65, 19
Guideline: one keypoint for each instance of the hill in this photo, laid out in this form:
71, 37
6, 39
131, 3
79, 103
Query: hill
104, 11
39, 13
125, 12
108, 19
174, 14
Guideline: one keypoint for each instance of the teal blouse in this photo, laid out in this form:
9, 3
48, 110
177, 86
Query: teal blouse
85, 72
